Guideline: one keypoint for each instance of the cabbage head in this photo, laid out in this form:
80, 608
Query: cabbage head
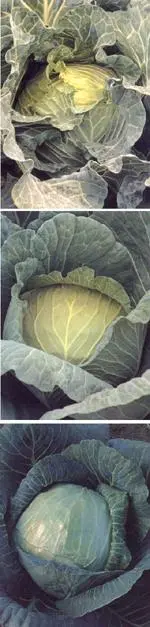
76, 313
73, 335
83, 87
70, 526
75, 526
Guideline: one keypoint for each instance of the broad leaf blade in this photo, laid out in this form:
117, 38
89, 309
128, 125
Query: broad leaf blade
132, 397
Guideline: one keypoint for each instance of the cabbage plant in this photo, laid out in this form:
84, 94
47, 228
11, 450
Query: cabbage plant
75, 526
76, 311
75, 104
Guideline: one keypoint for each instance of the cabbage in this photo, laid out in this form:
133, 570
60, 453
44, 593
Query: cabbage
73, 335
75, 104
83, 85
76, 312
75, 525
69, 525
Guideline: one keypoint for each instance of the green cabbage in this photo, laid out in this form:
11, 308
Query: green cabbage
68, 524
72, 499
67, 320
75, 77
83, 85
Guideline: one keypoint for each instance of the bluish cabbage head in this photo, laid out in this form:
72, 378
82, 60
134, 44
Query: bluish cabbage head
68, 525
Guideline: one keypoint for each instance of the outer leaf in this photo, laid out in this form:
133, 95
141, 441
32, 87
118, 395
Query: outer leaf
7, 185
124, 120
130, 228
5, 25
133, 609
50, 151
137, 451
132, 35
98, 597
130, 31
49, 12
132, 397
123, 66
47, 471
121, 474
79, 190
64, 243
23, 445
112, 359
103, 24
85, 277
45, 372
30, 615
135, 179
7, 228
132, 181
10, 146
6, 38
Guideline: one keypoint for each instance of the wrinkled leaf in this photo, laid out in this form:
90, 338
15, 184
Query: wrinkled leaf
79, 190
137, 391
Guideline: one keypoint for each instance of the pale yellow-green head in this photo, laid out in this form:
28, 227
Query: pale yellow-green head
68, 320
77, 88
